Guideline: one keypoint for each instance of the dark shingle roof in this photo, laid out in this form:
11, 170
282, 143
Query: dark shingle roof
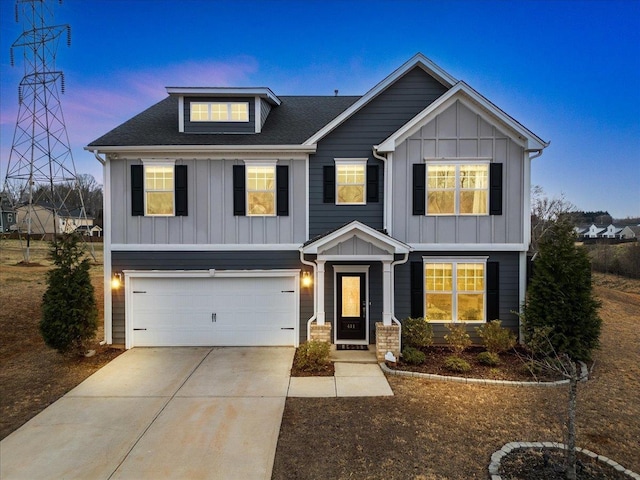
295, 120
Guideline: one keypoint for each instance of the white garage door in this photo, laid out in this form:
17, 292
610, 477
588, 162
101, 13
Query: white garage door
245, 311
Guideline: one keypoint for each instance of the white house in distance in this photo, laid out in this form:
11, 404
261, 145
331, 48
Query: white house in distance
45, 220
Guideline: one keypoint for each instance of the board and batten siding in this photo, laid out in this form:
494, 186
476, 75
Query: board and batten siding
210, 218
509, 276
458, 132
356, 137
172, 260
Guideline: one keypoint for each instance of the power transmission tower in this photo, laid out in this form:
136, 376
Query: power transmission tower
41, 177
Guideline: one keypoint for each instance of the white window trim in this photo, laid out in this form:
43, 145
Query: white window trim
228, 104
352, 161
457, 163
158, 163
261, 163
454, 261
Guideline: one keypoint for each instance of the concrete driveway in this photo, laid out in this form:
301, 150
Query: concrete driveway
187, 413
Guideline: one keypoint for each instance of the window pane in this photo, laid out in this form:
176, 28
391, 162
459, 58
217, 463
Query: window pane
350, 296
474, 176
240, 112
474, 201
470, 307
441, 201
439, 277
350, 181
159, 203
261, 203
474, 185
439, 306
470, 277
261, 187
199, 112
219, 112
441, 176
350, 194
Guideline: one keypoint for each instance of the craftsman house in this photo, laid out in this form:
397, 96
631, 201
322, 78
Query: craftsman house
237, 216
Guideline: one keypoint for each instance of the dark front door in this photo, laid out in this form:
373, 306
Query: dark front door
351, 308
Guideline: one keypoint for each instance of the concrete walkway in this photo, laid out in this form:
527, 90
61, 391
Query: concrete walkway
194, 413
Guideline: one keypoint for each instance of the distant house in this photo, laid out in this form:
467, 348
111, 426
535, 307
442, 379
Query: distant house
90, 230
46, 220
7, 215
611, 232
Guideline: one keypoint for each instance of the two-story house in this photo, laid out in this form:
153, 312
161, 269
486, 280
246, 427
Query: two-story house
235, 216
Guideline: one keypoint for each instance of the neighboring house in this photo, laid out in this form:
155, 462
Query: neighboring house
89, 230
46, 220
7, 215
236, 216
611, 231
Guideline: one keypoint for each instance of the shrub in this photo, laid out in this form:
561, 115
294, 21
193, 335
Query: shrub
457, 338
413, 356
312, 356
416, 332
491, 359
496, 338
531, 368
69, 313
457, 364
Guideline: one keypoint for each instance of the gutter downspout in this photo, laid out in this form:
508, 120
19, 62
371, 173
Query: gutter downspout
393, 296
387, 179
106, 264
315, 296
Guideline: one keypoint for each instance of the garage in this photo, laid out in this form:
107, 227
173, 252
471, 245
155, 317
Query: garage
228, 309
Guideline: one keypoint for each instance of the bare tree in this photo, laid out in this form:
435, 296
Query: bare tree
545, 211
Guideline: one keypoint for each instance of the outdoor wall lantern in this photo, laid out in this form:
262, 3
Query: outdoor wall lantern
116, 281
306, 279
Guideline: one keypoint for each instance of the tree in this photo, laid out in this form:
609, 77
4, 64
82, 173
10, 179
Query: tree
560, 295
545, 211
69, 313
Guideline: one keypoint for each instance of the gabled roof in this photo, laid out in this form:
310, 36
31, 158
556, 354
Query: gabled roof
462, 91
418, 60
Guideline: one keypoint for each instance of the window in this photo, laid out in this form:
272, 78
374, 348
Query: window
457, 189
158, 190
350, 182
261, 190
220, 112
454, 291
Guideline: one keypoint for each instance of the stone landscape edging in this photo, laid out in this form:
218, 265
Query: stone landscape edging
584, 375
498, 455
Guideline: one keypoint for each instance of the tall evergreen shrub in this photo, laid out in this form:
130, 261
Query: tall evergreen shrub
69, 312
560, 299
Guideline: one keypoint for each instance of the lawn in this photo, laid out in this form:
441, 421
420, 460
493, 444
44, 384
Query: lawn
432, 430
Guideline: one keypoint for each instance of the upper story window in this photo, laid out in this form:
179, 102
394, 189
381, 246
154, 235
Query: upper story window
455, 290
219, 111
261, 190
158, 190
351, 181
457, 189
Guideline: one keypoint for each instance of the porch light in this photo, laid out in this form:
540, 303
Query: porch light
306, 279
116, 281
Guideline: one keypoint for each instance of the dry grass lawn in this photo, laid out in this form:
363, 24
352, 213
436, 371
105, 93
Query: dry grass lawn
431, 430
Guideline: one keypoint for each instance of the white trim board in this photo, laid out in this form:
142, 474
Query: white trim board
204, 247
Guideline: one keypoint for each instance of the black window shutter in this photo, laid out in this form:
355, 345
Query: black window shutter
239, 201
372, 183
493, 291
417, 290
419, 192
329, 184
137, 190
181, 191
282, 190
495, 189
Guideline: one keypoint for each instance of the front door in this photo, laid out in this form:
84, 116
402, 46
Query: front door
351, 306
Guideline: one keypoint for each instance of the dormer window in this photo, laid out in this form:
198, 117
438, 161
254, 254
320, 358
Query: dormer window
220, 112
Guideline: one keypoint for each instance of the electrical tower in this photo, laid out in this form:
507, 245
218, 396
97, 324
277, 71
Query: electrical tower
41, 179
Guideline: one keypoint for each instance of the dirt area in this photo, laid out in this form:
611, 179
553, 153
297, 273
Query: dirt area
32, 375
432, 430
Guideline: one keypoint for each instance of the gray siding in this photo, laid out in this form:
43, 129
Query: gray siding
355, 139
203, 261
458, 133
210, 219
265, 108
508, 290
219, 127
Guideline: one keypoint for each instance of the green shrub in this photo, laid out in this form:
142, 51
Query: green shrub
312, 356
531, 368
69, 313
457, 338
490, 359
416, 332
457, 364
496, 338
413, 356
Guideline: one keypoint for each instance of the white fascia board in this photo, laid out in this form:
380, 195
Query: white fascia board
461, 91
469, 247
260, 273
417, 60
174, 149
262, 92
238, 247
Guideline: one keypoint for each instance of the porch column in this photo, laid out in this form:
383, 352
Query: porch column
320, 291
387, 292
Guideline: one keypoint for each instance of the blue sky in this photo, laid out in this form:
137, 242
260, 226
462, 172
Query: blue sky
567, 70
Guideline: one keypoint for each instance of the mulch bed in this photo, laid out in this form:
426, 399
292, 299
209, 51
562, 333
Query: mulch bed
547, 464
511, 367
